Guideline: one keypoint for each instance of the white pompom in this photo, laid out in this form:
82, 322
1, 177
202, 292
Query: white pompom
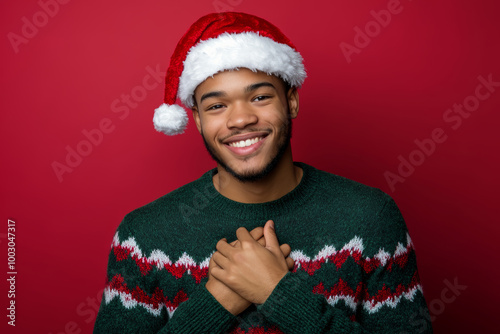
170, 119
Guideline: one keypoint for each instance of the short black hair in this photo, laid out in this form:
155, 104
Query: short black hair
286, 85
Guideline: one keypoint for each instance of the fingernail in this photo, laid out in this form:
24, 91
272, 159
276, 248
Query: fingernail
271, 224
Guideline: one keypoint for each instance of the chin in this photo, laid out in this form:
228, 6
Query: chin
250, 174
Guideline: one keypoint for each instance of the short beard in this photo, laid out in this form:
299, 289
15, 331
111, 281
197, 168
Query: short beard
286, 129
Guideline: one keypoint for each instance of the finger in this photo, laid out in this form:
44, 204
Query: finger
285, 249
211, 263
262, 241
243, 235
290, 263
223, 247
220, 260
257, 233
271, 239
217, 273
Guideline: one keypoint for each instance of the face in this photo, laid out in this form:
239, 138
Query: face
244, 118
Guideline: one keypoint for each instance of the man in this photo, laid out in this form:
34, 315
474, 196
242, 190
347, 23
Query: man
260, 244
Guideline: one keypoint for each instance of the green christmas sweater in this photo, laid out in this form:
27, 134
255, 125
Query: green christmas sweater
355, 267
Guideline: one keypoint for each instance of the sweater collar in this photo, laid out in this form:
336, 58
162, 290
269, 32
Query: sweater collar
267, 210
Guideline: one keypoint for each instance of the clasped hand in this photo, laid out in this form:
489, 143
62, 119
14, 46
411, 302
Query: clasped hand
248, 269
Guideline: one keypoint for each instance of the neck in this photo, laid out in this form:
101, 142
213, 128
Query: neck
280, 181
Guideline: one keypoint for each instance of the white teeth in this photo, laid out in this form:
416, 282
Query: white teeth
245, 143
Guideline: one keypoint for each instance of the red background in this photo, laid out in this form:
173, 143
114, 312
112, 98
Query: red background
356, 119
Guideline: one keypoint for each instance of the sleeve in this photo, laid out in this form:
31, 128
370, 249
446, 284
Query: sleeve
133, 303
391, 300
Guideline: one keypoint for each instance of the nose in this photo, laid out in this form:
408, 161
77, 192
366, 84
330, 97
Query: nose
241, 116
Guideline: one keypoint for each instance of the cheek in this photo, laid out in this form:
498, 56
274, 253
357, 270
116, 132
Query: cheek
267, 116
212, 126
277, 120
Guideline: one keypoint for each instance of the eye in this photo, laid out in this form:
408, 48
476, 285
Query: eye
215, 106
261, 98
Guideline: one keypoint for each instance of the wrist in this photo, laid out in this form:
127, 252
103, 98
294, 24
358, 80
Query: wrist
270, 288
232, 302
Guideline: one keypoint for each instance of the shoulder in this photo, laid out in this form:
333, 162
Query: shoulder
341, 191
171, 207
360, 210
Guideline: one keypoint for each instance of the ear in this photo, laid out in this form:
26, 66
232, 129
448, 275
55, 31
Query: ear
196, 116
293, 101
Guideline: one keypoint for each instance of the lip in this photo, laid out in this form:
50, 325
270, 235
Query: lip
244, 136
244, 151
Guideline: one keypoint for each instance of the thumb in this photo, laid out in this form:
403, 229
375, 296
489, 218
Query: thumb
270, 236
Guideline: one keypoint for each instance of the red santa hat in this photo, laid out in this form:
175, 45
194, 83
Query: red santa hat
218, 42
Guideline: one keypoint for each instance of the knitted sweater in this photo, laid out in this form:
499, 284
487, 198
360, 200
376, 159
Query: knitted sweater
355, 267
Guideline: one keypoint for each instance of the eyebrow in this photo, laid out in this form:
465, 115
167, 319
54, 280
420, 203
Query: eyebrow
256, 86
247, 89
212, 94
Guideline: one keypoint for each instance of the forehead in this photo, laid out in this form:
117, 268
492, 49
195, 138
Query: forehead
235, 80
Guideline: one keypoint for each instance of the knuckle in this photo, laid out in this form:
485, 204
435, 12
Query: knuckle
246, 244
231, 278
219, 244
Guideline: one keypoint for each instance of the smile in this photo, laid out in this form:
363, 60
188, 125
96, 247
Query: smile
245, 143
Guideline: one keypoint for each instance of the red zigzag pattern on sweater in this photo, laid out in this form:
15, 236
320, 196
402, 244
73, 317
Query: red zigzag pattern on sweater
384, 296
130, 298
341, 291
354, 249
186, 264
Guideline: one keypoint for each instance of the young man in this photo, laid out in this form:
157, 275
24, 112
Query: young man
260, 244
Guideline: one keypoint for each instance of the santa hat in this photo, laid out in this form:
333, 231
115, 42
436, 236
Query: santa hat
218, 42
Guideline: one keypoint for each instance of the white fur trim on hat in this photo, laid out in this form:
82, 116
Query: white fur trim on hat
170, 119
243, 50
